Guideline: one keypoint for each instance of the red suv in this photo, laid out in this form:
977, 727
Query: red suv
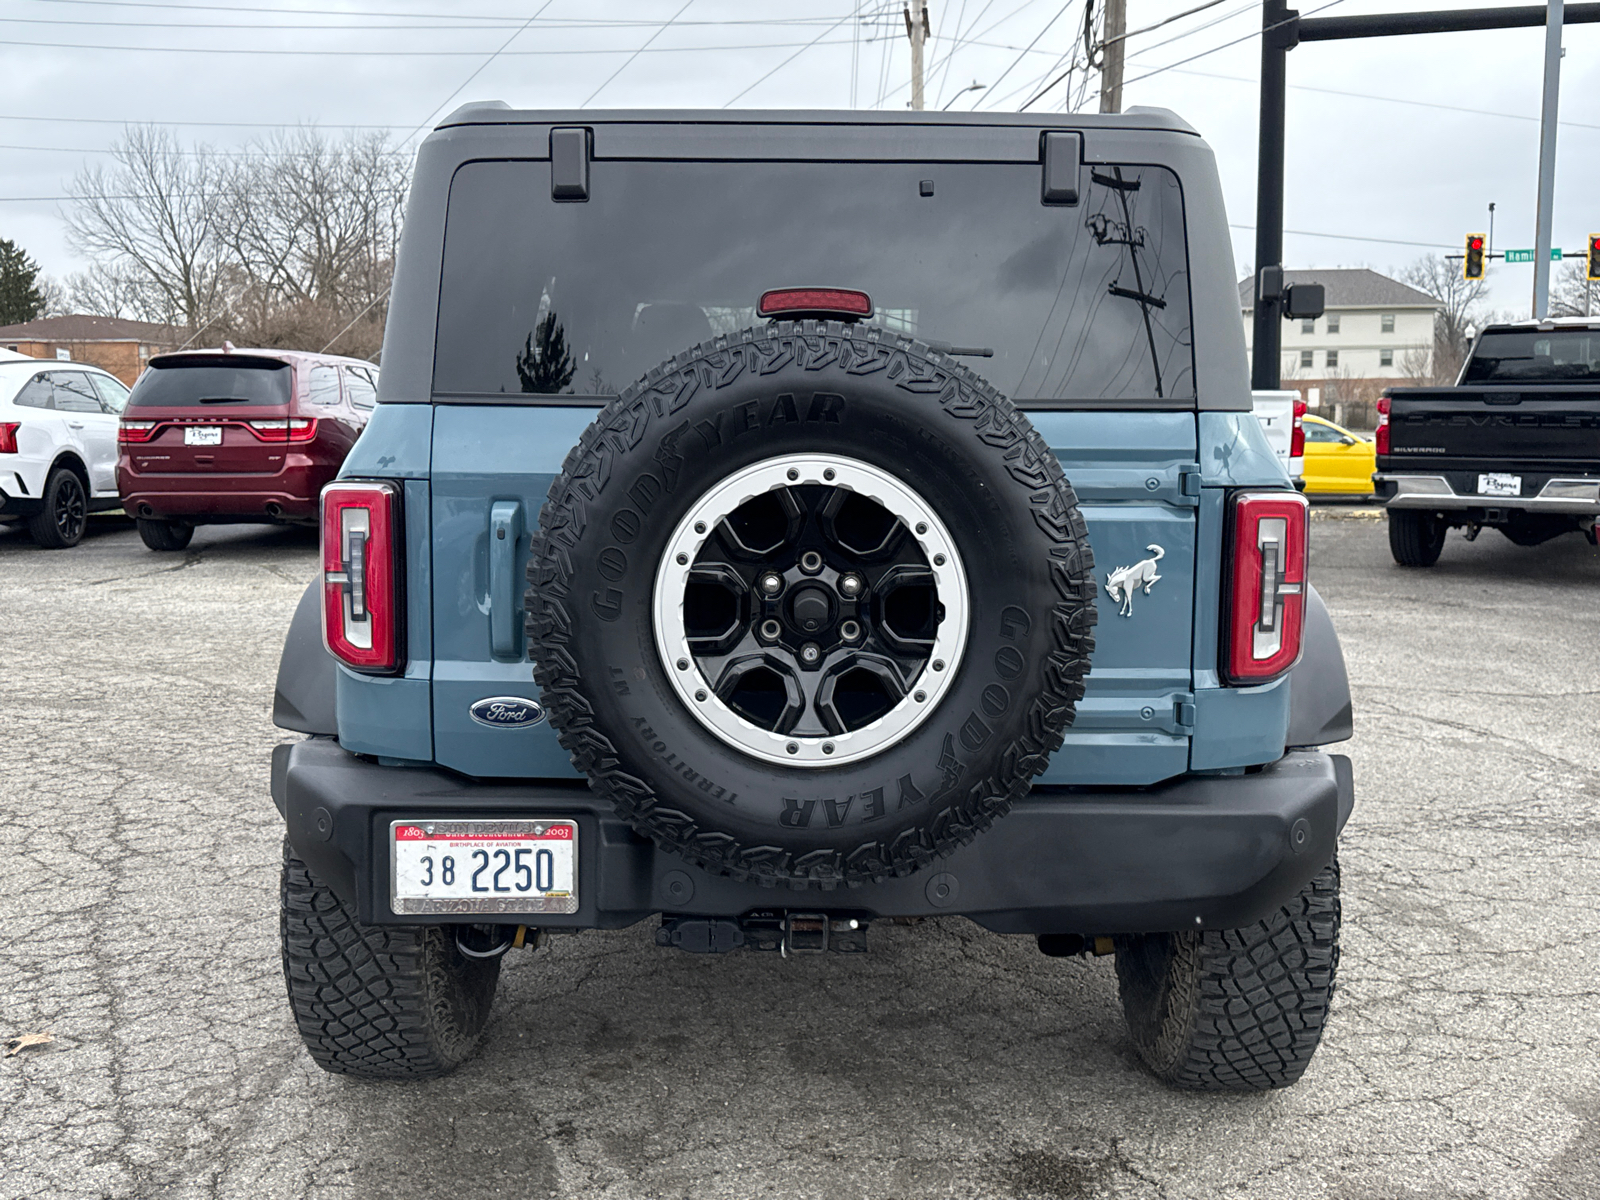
227, 436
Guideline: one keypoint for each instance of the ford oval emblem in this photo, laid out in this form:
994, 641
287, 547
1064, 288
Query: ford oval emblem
507, 712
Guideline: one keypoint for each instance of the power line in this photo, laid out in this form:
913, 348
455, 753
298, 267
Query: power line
791, 58
505, 21
125, 121
1252, 34
438, 108
1199, 8
934, 66
1350, 237
213, 50
660, 29
1047, 26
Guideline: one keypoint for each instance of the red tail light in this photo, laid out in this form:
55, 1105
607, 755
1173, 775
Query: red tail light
815, 302
136, 431
1380, 440
1266, 603
1297, 441
8, 436
295, 429
361, 574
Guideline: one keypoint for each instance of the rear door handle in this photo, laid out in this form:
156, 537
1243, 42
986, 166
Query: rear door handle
76, 424
505, 531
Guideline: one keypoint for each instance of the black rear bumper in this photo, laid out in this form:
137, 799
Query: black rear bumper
1200, 851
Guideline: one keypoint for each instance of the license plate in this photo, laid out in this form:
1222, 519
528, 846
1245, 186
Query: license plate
1499, 485
483, 866
202, 435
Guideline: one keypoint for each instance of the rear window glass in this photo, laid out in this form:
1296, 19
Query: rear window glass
1553, 356
222, 380
1083, 302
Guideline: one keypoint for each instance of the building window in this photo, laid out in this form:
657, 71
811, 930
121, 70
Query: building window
1386, 358
1333, 360
1333, 323
1305, 358
1308, 325
1388, 322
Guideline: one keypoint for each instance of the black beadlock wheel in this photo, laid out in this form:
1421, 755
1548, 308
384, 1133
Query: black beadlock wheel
64, 514
811, 604
164, 535
1415, 537
1236, 1010
377, 1001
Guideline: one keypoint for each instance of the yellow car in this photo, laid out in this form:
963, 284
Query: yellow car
1337, 460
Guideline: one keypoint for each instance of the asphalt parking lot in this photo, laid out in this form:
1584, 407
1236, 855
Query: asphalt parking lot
139, 926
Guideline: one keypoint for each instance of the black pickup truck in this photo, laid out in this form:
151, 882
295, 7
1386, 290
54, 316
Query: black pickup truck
1514, 445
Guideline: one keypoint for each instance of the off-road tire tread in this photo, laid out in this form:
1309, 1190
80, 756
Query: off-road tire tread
926, 376
1245, 1008
377, 1001
1415, 538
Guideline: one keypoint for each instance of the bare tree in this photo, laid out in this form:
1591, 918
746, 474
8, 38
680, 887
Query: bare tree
1572, 294
155, 216
290, 244
1460, 302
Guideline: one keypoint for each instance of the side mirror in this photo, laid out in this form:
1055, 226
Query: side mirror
1347, 440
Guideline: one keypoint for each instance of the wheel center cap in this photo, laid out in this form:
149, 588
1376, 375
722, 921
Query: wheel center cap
811, 608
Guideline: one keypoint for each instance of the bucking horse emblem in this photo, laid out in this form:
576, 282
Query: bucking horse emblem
1121, 584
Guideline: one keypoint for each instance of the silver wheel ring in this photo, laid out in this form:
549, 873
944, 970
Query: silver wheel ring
950, 586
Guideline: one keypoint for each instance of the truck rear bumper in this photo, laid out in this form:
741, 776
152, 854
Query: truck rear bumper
1577, 496
1200, 851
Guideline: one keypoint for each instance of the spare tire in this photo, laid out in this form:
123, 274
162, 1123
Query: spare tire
811, 604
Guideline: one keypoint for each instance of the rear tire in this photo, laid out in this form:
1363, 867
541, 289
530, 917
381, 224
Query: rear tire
64, 513
165, 535
1415, 537
377, 1001
1235, 1010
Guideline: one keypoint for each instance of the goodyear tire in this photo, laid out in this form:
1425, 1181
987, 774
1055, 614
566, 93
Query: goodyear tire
930, 503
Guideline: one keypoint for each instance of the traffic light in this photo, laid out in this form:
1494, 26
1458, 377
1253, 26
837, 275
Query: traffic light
1594, 257
1472, 264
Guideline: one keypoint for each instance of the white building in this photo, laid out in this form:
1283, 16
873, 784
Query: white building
1374, 331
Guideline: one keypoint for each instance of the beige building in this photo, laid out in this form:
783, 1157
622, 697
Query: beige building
110, 343
1374, 332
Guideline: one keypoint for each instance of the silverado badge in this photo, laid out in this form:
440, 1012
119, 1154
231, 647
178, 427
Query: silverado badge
507, 712
1124, 581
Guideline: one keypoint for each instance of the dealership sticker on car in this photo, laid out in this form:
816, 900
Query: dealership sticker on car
1499, 485
202, 435
483, 866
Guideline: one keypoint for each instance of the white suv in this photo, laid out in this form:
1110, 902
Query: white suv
58, 446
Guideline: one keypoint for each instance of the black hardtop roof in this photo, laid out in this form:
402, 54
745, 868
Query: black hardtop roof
497, 112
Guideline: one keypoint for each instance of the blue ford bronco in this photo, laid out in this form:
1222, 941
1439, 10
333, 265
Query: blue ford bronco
774, 523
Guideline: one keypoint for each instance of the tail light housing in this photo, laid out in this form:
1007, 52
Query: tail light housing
1380, 440
1297, 440
295, 429
1267, 585
136, 431
361, 601
8, 436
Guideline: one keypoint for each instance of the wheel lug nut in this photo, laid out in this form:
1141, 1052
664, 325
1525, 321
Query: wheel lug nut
849, 631
770, 630
771, 583
811, 562
810, 654
850, 585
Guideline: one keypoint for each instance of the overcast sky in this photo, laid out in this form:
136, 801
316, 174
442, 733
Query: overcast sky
1400, 141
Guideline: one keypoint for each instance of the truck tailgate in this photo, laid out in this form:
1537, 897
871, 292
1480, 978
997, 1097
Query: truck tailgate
1550, 429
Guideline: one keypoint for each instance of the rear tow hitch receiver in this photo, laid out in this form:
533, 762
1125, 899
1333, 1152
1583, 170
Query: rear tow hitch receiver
789, 934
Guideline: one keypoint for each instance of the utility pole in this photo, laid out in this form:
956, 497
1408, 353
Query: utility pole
918, 30
1547, 160
1112, 41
